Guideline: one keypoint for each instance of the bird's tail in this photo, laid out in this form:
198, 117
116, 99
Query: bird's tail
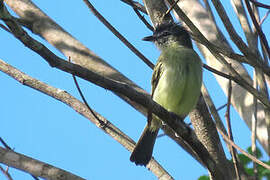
143, 150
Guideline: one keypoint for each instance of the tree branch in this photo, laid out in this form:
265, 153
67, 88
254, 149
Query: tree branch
6, 173
132, 4
33, 166
42, 25
131, 92
135, 5
254, 159
234, 36
117, 34
229, 130
241, 99
82, 109
206, 132
262, 98
260, 4
258, 28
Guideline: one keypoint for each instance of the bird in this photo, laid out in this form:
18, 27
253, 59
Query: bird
176, 83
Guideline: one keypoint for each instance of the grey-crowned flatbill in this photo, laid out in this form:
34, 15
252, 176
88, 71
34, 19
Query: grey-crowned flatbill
176, 82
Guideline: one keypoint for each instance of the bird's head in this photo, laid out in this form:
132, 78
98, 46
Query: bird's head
168, 34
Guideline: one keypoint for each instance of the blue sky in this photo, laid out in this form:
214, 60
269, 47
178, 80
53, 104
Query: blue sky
40, 127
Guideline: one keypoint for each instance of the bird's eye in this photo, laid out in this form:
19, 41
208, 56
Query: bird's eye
166, 33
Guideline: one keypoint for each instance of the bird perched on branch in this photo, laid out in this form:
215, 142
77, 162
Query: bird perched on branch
176, 83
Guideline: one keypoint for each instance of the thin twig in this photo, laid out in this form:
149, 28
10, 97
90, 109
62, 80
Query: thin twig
5, 28
258, 28
245, 24
215, 49
264, 18
8, 147
238, 41
55, 61
229, 129
34, 166
6, 173
240, 80
260, 4
227, 76
228, 141
266, 48
260, 78
171, 8
79, 107
102, 124
161, 135
221, 107
117, 34
251, 59
34, 177
131, 3
143, 20
130, 92
135, 5
254, 127
264, 55
254, 159
5, 144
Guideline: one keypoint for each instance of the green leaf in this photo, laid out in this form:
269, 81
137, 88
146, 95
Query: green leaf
265, 172
244, 160
249, 171
204, 178
258, 152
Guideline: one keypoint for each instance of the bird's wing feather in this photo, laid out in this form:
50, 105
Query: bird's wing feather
154, 82
158, 70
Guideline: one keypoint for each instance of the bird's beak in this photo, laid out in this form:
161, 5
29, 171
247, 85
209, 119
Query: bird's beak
149, 38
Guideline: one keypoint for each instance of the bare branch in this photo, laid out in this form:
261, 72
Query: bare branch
260, 4
171, 8
254, 128
82, 109
264, 17
135, 5
85, 102
240, 97
83, 56
5, 144
6, 173
33, 166
242, 17
7, 147
254, 159
4, 27
117, 34
259, 75
233, 34
42, 25
258, 28
252, 59
228, 121
130, 2
131, 92
248, 87
214, 111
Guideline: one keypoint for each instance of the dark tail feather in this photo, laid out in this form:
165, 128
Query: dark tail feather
143, 150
